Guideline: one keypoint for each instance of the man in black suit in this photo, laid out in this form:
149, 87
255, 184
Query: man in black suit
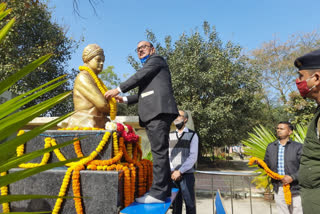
157, 109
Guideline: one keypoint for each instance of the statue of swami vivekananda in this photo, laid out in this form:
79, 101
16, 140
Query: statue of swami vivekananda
90, 105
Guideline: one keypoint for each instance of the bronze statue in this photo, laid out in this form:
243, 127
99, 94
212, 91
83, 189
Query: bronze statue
90, 105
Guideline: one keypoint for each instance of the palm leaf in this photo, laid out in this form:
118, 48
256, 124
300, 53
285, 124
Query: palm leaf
5, 29
10, 122
2, 12
16, 121
258, 142
15, 161
8, 82
11, 198
21, 174
17, 102
29, 212
299, 134
8, 149
2, 6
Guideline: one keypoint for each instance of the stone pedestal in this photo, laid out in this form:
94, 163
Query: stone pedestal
88, 145
103, 190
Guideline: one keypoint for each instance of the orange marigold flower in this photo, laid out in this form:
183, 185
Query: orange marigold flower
276, 176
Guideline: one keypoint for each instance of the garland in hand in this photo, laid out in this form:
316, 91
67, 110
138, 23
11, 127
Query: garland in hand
276, 176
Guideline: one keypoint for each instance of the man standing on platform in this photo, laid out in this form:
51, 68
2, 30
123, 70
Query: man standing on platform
308, 84
283, 156
157, 109
183, 153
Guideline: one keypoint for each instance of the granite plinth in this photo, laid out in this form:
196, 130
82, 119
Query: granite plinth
102, 191
88, 145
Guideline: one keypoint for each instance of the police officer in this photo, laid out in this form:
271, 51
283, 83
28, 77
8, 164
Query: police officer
308, 84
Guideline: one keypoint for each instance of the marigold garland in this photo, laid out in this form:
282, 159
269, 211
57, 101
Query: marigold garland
77, 148
4, 192
135, 166
62, 191
127, 186
76, 188
274, 175
103, 89
133, 180
129, 149
57, 152
20, 149
44, 160
115, 144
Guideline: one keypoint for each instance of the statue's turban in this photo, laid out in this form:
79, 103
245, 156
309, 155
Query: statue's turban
91, 51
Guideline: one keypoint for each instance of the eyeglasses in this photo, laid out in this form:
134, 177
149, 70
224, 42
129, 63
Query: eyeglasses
142, 47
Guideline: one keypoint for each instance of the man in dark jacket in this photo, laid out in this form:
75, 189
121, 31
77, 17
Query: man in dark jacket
157, 109
283, 156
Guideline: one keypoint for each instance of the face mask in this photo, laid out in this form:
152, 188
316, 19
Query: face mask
179, 124
303, 87
144, 59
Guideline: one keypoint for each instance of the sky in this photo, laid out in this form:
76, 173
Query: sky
120, 24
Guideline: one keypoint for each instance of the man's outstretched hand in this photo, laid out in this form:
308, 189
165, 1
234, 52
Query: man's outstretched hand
111, 93
119, 99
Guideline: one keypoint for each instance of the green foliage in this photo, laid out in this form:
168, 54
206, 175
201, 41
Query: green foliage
110, 79
257, 143
301, 110
214, 82
34, 35
148, 156
11, 120
274, 59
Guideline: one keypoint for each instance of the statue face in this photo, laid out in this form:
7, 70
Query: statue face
96, 63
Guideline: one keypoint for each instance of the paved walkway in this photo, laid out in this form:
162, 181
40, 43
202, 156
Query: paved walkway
242, 206
240, 185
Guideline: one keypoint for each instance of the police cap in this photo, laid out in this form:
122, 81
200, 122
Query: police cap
308, 61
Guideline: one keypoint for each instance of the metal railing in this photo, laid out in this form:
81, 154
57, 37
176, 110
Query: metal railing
248, 176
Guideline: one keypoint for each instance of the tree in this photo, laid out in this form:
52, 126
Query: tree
274, 59
34, 35
214, 82
111, 79
301, 110
11, 120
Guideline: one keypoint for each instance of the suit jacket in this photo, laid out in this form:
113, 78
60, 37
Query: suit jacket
292, 155
155, 95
